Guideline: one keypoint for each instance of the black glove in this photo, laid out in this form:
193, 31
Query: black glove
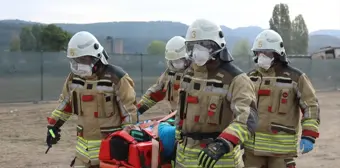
212, 153
50, 140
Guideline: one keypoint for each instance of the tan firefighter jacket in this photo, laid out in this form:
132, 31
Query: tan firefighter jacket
282, 92
102, 104
166, 88
216, 100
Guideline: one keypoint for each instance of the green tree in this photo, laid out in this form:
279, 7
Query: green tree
27, 39
156, 47
54, 38
299, 36
242, 49
280, 22
36, 31
14, 43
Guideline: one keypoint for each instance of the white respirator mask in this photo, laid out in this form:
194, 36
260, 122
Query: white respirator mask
178, 64
82, 70
200, 55
264, 61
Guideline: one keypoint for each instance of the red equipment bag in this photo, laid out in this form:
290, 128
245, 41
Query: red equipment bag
120, 149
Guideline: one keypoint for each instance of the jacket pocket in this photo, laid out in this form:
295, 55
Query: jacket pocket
214, 109
108, 106
193, 108
284, 100
279, 128
89, 105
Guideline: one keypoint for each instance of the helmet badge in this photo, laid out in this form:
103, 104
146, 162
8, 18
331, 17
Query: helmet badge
193, 34
259, 44
72, 51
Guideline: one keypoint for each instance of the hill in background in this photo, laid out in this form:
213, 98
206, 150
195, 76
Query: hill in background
138, 35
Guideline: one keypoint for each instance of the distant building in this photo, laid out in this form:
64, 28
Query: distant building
118, 46
109, 44
114, 45
327, 53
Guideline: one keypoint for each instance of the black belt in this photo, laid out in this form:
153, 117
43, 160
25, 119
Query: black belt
201, 136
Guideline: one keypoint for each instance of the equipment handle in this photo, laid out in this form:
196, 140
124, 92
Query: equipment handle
48, 141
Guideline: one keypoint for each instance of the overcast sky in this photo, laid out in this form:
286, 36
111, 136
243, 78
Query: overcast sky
319, 14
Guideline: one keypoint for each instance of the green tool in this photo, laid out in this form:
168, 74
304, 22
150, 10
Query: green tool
51, 132
50, 145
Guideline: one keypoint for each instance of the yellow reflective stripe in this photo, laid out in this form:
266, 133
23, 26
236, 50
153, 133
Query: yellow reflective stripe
188, 157
273, 143
83, 147
88, 151
89, 143
146, 101
240, 131
88, 154
249, 144
178, 134
61, 115
311, 123
278, 138
87, 147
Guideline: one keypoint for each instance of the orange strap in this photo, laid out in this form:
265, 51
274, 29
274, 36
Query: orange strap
155, 153
168, 116
146, 125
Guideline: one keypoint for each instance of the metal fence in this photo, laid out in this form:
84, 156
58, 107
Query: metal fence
34, 76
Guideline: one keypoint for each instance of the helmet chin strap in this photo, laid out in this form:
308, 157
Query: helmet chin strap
96, 66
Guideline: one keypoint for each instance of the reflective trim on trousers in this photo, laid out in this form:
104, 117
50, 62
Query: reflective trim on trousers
280, 144
89, 150
188, 157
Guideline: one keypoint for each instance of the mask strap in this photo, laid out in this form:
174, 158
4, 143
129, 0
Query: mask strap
213, 54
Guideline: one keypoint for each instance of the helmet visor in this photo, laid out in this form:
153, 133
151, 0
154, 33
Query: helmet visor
207, 44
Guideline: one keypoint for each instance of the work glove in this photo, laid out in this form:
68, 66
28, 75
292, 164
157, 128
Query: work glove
209, 155
53, 135
306, 145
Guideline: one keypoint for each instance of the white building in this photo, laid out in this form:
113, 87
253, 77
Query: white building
327, 53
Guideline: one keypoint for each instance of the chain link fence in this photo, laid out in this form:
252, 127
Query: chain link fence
36, 76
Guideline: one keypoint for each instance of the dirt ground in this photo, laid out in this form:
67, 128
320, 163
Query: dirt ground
23, 131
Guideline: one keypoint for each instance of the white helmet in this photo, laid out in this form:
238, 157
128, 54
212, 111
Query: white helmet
202, 29
84, 51
209, 35
175, 54
269, 40
175, 48
84, 43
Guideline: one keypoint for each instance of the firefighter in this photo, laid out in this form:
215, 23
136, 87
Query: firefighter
100, 94
168, 83
282, 90
217, 107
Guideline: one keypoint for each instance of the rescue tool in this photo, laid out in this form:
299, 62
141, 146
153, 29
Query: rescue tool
49, 143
